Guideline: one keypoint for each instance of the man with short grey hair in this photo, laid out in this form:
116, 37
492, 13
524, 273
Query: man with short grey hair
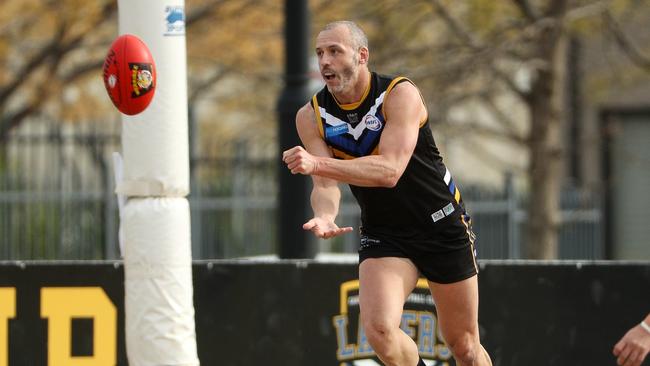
372, 132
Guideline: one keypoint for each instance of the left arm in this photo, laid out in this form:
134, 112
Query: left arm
403, 110
633, 348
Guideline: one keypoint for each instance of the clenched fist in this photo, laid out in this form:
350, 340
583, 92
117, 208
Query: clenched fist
299, 161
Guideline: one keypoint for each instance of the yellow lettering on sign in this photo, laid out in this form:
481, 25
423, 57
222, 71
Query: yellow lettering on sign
7, 311
59, 305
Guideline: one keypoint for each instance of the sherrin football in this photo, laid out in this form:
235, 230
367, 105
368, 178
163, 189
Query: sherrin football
130, 74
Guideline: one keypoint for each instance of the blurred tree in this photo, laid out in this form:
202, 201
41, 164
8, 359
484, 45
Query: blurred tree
495, 57
52, 53
490, 71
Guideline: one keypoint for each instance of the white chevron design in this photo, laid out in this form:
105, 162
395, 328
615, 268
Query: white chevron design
358, 130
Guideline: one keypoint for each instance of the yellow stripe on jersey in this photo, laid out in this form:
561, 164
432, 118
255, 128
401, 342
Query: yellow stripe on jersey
351, 106
341, 155
391, 86
457, 195
319, 121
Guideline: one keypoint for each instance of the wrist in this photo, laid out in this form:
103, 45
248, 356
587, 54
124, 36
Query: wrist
645, 326
316, 169
327, 217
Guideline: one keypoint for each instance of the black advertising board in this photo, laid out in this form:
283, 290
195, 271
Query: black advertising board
300, 313
560, 313
56, 312
306, 313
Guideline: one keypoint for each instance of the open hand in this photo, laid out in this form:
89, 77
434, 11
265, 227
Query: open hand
324, 228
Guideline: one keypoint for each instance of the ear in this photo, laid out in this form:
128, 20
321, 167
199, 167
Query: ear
364, 55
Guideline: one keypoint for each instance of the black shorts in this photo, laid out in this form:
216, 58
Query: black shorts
446, 257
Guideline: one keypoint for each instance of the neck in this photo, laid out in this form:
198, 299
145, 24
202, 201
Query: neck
354, 94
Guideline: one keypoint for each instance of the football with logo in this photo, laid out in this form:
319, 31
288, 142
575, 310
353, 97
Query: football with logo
130, 74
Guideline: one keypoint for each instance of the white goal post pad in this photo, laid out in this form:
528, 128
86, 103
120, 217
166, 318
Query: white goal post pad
155, 143
159, 308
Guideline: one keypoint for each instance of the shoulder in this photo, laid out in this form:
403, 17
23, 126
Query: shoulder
404, 98
305, 117
403, 90
305, 112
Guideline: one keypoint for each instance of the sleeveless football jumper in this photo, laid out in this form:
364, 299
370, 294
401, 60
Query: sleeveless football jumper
423, 217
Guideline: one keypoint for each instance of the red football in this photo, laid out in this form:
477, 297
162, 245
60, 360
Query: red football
130, 74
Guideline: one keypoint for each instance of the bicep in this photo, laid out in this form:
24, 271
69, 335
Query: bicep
403, 110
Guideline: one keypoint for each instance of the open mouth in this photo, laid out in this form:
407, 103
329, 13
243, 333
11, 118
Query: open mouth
329, 76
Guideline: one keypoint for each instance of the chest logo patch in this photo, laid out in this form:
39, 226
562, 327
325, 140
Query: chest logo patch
372, 123
337, 130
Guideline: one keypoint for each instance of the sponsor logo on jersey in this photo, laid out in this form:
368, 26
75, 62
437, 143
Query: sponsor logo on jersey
367, 242
336, 130
372, 123
443, 212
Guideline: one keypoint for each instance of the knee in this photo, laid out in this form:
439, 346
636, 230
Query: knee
379, 334
465, 349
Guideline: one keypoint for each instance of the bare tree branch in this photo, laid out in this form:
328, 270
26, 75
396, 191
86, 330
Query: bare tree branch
76, 72
455, 27
526, 9
502, 118
556, 8
480, 129
204, 11
489, 157
56, 47
475, 46
201, 12
625, 44
206, 83
36, 61
50, 56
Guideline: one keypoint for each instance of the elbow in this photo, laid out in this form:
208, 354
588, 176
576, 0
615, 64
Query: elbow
389, 180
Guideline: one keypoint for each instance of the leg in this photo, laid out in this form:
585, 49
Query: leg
457, 306
384, 285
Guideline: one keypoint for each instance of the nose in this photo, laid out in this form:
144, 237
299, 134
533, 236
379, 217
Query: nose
324, 60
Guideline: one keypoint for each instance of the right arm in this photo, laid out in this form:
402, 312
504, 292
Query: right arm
325, 195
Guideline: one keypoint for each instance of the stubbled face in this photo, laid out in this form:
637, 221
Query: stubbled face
338, 61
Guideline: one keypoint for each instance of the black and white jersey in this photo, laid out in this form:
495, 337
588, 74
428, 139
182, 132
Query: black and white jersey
425, 199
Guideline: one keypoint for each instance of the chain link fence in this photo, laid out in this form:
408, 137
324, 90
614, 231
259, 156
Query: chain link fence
57, 202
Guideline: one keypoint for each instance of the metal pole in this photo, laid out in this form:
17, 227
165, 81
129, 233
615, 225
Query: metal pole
514, 246
293, 193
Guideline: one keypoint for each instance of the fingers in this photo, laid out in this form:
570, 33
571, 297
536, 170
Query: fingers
326, 233
297, 160
618, 348
623, 356
634, 359
309, 224
290, 155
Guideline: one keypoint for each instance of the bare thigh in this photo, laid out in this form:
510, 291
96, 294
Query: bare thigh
384, 285
457, 308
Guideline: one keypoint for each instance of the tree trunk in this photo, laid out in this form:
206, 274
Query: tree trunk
546, 155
